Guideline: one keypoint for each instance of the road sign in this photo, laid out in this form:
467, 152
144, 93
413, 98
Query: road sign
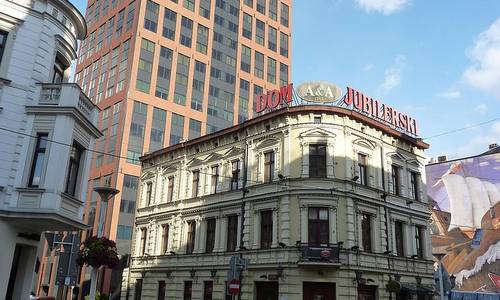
234, 287
495, 278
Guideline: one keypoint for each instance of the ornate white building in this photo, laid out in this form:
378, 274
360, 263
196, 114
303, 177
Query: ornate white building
325, 202
46, 125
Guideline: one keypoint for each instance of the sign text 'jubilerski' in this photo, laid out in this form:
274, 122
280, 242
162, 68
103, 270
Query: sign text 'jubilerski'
274, 98
380, 111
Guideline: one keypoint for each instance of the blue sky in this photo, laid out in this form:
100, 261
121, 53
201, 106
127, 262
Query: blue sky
438, 61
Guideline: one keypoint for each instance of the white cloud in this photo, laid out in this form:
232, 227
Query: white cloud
368, 67
484, 73
393, 75
386, 7
481, 109
450, 94
480, 142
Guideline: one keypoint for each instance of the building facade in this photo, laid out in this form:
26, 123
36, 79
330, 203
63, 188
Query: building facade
46, 127
324, 202
465, 222
168, 71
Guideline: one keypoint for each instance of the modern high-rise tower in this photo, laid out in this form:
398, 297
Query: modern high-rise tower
168, 71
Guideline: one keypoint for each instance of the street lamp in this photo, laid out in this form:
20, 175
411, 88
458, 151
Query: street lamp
105, 193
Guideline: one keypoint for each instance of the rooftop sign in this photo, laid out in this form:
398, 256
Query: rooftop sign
327, 93
319, 91
380, 111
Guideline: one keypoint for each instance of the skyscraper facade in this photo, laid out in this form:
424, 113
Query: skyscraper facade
168, 71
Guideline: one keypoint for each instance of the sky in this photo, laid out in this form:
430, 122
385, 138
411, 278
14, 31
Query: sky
438, 61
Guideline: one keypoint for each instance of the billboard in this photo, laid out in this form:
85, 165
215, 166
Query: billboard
465, 221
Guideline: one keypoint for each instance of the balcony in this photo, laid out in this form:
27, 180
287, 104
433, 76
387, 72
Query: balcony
64, 98
319, 255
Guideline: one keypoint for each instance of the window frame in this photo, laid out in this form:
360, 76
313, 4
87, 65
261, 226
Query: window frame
395, 179
37, 151
363, 169
72, 177
319, 169
269, 165
317, 237
170, 187
366, 232
165, 232
232, 233
266, 229
399, 238
190, 236
210, 235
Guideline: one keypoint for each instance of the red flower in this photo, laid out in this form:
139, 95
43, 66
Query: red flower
97, 252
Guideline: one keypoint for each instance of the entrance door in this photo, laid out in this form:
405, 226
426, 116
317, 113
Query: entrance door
267, 290
319, 291
367, 292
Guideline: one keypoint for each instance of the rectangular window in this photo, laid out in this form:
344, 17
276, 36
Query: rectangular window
186, 31
196, 183
38, 160
169, 24
149, 187
144, 233
398, 232
164, 238
151, 17
271, 38
207, 290
232, 232
188, 290
259, 65
260, 29
362, 169
261, 6
266, 229
235, 176
170, 193
124, 232
138, 289
284, 14
162, 289
190, 236
419, 241
189, 4
395, 180
205, 8
273, 8
247, 26
215, 179
414, 186
271, 70
210, 242
366, 232
269, 166
202, 39
73, 169
319, 226
283, 44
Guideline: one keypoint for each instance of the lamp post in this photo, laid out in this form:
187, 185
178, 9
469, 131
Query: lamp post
105, 193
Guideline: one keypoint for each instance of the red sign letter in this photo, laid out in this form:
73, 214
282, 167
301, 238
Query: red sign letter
260, 102
286, 93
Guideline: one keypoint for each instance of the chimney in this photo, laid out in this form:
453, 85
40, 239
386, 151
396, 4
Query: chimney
492, 146
442, 158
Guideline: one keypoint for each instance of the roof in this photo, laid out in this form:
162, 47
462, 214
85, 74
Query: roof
294, 110
494, 150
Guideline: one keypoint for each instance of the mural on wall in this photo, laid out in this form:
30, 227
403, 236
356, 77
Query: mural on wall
465, 222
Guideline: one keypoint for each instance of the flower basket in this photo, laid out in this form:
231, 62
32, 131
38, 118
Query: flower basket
97, 252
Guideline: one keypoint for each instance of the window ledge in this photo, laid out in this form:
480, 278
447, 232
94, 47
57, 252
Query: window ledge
30, 189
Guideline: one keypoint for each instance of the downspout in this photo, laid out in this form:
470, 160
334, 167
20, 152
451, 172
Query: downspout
244, 190
386, 215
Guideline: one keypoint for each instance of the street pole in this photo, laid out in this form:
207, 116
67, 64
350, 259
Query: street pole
105, 193
441, 285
